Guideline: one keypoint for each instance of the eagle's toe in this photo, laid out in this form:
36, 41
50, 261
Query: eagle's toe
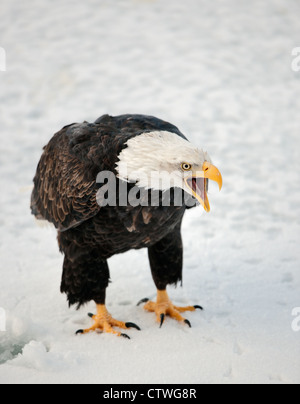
104, 322
164, 307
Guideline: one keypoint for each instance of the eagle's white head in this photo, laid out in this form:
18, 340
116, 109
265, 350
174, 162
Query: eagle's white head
162, 160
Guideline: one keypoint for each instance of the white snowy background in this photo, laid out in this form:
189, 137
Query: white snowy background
222, 72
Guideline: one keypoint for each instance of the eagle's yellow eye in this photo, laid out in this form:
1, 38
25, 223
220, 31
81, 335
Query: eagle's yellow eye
186, 166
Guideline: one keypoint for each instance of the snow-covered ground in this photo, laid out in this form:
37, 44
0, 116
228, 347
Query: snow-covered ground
221, 71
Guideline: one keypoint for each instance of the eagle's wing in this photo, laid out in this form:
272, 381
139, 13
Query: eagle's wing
138, 123
65, 185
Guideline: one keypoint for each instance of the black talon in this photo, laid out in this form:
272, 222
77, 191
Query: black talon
125, 336
188, 323
162, 319
143, 301
91, 315
132, 325
198, 307
79, 332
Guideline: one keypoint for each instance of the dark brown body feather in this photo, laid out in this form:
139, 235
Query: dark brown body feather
65, 190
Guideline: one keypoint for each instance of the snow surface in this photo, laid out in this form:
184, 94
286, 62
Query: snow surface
221, 71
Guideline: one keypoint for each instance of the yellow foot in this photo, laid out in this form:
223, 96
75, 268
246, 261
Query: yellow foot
104, 322
163, 306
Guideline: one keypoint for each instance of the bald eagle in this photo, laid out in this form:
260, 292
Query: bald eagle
144, 154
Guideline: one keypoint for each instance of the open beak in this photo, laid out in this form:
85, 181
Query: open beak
198, 183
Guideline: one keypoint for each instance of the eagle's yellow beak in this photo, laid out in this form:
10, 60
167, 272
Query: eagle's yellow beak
198, 183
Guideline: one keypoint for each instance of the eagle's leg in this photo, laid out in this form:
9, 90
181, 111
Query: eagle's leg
104, 322
166, 260
86, 278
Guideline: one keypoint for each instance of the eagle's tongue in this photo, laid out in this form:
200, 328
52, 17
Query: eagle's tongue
198, 186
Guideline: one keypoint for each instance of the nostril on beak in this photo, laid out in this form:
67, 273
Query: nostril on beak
206, 166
